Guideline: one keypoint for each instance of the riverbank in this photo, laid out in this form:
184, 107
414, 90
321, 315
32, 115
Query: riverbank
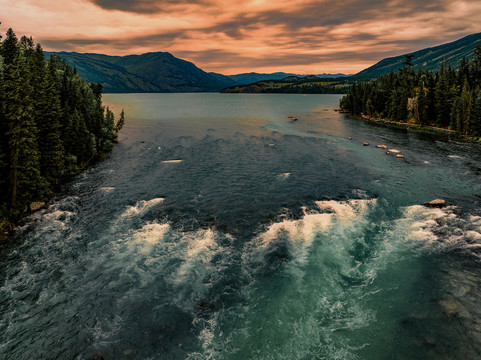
411, 125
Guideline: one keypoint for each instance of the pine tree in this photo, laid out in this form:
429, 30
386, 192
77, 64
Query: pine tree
47, 116
120, 123
466, 106
476, 115
26, 183
9, 49
3, 143
422, 105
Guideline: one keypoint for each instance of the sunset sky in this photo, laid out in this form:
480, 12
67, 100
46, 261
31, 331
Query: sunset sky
299, 36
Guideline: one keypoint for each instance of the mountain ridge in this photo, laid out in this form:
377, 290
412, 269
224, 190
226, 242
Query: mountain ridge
163, 72
429, 58
149, 72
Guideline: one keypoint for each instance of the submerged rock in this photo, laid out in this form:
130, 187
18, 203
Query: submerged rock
96, 357
36, 205
437, 203
451, 308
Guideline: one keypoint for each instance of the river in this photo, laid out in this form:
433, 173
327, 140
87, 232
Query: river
221, 228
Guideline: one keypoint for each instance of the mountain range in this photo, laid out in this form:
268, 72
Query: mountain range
429, 58
163, 72
252, 77
151, 72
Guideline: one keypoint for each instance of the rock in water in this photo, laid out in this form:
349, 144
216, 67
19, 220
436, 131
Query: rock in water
399, 156
438, 203
451, 308
96, 357
36, 205
365, 143
381, 146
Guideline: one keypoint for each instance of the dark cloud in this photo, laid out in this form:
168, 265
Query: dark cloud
145, 6
225, 59
319, 31
159, 41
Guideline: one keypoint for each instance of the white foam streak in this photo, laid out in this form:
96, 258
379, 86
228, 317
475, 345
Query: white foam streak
300, 234
141, 207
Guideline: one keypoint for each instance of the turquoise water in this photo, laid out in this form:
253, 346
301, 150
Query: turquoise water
220, 228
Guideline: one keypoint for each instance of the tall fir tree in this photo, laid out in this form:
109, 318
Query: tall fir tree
48, 117
25, 179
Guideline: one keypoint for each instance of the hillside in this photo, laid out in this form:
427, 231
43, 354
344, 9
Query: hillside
151, 72
252, 77
429, 58
294, 85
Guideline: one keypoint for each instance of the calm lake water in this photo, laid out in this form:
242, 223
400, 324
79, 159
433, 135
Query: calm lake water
219, 228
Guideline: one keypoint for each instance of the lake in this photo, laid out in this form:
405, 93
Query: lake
222, 228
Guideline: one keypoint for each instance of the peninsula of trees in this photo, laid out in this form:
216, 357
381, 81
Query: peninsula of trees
449, 98
52, 123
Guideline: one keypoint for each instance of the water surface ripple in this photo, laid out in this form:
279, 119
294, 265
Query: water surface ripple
221, 229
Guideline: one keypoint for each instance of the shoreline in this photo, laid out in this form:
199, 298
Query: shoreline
414, 127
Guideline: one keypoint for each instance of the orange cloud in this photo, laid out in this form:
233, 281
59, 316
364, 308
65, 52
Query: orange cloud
301, 36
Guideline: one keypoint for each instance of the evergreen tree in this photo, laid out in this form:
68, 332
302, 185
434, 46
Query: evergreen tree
10, 49
25, 179
422, 106
476, 116
120, 123
52, 123
47, 116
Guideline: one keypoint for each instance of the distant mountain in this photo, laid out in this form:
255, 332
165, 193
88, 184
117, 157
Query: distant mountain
430, 58
294, 85
252, 77
151, 72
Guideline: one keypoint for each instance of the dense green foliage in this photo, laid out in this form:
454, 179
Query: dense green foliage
295, 85
52, 123
449, 98
449, 54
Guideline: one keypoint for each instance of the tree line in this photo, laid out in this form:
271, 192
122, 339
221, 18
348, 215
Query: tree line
448, 98
52, 123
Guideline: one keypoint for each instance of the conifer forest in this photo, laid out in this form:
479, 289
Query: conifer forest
52, 123
449, 98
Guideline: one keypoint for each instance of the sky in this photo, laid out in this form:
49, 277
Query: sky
236, 36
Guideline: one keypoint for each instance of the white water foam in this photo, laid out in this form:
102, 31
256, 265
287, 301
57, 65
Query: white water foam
107, 189
435, 229
284, 175
139, 209
288, 310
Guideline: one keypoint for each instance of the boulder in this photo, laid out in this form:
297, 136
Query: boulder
349, 138
399, 156
381, 146
365, 143
437, 203
394, 151
36, 205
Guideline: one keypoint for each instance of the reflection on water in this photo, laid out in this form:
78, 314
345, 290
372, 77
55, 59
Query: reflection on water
221, 229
